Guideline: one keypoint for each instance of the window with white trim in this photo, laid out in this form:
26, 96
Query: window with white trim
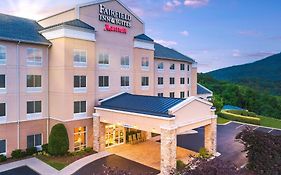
182, 80
103, 81
172, 95
2, 109
34, 57
79, 107
182, 95
160, 66
80, 138
79, 58
145, 62
125, 61
103, 59
3, 147
172, 80
144, 81
34, 140
125, 81
172, 66
34, 107
188, 94
160, 94
33, 81
80, 81
2, 81
3, 55
160, 80
188, 67
188, 81
182, 66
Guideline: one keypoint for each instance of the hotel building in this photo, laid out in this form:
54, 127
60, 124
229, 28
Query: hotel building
95, 70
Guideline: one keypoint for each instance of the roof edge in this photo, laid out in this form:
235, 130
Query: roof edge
116, 95
25, 41
174, 59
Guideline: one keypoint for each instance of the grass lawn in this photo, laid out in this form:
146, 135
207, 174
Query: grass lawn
270, 122
222, 120
61, 162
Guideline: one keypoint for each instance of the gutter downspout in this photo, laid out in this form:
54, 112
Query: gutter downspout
19, 99
48, 111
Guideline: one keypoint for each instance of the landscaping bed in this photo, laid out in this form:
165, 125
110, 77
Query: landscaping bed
230, 115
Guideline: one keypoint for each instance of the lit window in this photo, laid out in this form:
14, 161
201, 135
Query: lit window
2, 81
160, 95
33, 81
172, 95
125, 81
172, 80
80, 138
34, 57
125, 61
34, 107
182, 95
103, 81
160, 66
182, 80
79, 107
2, 109
160, 80
103, 59
80, 58
145, 62
34, 141
145, 81
3, 55
172, 66
80, 81
182, 67
3, 148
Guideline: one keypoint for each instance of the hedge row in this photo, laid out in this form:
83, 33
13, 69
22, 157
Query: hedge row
239, 118
243, 113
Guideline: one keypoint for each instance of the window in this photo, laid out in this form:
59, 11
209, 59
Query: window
145, 62
2, 81
80, 81
2, 109
79, 107
172, 66
34, 107
3, 55
80, 138
160, 80
172, 95
3, 147
187, 93
34, 140
33, 81
145, 81
172, 80
160, 66
160, 95
187, 80
125, 62
182, 67
80, 58
125, 81
103, 59
34, 57
182, 95
188, 67
103, 81
182, 80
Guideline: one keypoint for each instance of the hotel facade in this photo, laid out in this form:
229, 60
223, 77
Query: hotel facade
93, 69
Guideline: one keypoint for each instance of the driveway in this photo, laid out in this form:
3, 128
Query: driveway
230, 149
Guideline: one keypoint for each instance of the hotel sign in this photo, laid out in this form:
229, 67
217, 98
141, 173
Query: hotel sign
116, 18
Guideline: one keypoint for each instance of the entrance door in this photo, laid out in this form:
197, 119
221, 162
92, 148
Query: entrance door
114, 135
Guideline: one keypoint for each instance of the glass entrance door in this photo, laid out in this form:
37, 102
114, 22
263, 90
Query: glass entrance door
114, 135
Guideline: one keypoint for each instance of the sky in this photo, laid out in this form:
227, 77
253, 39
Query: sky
216, 33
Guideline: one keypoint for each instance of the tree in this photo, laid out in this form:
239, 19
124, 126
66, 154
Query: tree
58, 140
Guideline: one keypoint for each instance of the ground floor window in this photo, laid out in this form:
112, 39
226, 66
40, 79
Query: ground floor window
34, 140
114, 135
182, 95
172, 95
160, 95
80, 138
3, 147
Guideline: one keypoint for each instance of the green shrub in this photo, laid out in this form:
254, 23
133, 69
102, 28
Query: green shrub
45, 148
180, 165
239, 118
243, 112
2, 158
204, 154
18, 153
58, 141
88, 149
30, 151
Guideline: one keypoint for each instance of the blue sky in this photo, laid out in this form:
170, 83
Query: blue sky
216, 33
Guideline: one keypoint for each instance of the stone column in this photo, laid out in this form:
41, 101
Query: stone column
99, 133
168, 150
148, 135
211, 136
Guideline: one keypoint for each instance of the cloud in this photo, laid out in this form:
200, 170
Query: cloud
195, 3
260, 54
184, 33
138, 11
166, 43
251, 33
171, 5
236, 53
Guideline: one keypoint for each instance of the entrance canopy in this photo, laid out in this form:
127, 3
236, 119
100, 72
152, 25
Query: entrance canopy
151, 113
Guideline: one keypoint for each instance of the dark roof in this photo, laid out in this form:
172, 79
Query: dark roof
162, 52
73, 23
20, 29
150, 105
202, 90
144, 37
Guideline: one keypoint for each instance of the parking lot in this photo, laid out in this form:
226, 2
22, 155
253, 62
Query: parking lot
230, 149
24, 170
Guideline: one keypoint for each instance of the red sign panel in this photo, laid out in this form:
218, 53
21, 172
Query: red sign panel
110, 28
